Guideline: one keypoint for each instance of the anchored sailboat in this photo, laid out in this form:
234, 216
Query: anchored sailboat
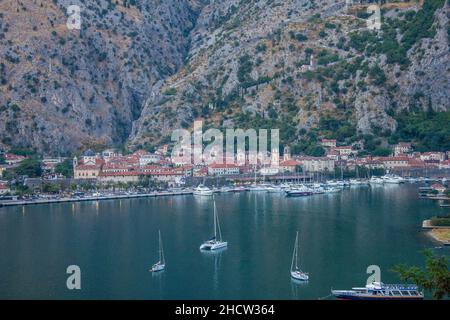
296, 272
216, 242
161, 264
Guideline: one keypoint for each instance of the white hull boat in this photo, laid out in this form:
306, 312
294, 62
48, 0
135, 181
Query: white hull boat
392, 179
332, 190
216, 242
296, 272
202, 190
212, 245
376, 181
161, 264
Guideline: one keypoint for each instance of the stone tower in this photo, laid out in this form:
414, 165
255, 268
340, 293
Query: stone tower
287, 153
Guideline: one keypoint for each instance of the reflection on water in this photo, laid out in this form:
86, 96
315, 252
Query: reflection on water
216, 257
158, 280
114, 243
296, 287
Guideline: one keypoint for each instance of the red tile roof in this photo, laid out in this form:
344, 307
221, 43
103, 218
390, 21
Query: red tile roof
87, 167
10, 156
222, 166
289, 163
394, 159
140, 173
343, 148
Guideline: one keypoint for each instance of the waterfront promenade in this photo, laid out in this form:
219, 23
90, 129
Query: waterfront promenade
10, 203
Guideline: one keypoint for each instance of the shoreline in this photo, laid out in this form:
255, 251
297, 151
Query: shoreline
13, 203
433, 232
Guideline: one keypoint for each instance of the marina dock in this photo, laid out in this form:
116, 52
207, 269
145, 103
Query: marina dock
11, 203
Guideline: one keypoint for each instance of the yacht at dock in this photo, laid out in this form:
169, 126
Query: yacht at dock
392, 179
203, 190
300, 191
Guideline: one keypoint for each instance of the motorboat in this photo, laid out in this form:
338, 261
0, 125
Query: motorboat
203, 190
300, 191
376, 180
392, 179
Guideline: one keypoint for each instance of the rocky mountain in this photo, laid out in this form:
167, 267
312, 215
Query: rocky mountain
63, 89
250, 66
139, 69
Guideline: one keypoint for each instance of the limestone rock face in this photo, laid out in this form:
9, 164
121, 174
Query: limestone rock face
63, 89
139, 69
370, 109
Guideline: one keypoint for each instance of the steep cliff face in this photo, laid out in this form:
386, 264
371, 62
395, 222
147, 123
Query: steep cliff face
138, 69
303, 66
61, 89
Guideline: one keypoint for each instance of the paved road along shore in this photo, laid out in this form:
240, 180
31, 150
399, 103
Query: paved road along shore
10, 203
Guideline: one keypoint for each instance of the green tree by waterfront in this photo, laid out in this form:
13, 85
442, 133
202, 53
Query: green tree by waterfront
65, 168
29, 167
435, 278
51, 188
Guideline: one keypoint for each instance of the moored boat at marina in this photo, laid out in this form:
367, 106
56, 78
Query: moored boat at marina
332, 190
203, 190
392, 179
338, 183
317, 189
238, 189
274, 189
332, 183
358, 182
224, 189
259, 187
376, 181
380, 291
300, 191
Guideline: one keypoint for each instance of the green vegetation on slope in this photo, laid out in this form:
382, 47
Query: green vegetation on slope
427, 130
435, 278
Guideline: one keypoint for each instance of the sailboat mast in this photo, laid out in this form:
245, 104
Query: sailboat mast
161, 252
294, 254
218, 224
215, 221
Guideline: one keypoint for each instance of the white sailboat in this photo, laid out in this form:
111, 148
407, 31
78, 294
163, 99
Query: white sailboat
216, 242
296, 272
161, 264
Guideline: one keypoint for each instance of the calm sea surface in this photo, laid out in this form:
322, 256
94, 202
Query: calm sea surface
115, 242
